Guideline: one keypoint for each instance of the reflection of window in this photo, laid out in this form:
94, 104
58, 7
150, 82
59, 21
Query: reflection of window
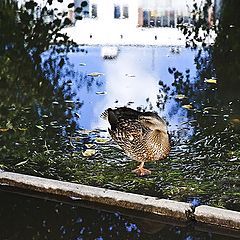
146, 18
179, 19
186, 19
165, 21
171, 19
117, 12
94, 11
152, 21
125, 11
158, 22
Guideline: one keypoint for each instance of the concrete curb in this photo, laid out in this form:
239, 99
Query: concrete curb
162, 207
217, 216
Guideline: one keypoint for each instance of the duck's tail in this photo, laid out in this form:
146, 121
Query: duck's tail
104, 115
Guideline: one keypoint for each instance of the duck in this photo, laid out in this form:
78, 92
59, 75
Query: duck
142, 135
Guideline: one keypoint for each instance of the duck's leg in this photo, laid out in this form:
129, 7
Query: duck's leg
141, 171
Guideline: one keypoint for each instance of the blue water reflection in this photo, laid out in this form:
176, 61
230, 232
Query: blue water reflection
129, 79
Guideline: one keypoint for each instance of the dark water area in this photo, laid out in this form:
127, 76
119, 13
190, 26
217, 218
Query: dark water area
51, 125
25, 217
52, 93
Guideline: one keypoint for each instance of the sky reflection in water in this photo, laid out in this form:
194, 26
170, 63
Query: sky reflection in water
129, 79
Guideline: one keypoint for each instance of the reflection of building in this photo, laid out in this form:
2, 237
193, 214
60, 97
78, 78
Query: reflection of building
137, 13
142, 13
105, 11
165, 13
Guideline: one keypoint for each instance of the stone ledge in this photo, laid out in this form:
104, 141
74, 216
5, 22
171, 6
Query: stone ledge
161, 207
217, 216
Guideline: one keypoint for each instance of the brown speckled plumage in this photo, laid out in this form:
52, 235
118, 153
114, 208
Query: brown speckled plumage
142, 135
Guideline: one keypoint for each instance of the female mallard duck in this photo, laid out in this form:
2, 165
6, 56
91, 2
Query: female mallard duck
142, 135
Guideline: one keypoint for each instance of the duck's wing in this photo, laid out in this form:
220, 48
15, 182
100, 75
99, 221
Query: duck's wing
126, 130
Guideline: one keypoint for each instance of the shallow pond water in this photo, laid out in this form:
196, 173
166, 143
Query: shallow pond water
51, 125
25, 217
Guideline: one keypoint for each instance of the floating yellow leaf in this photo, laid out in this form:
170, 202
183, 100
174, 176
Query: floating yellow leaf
211, 80
22, 129
95, 74
85, 131
187, 106
4, 129
89, 152
89, 145
40, 127
180, 96
101, 140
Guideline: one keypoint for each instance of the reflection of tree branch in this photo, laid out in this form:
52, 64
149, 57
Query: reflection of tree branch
31, 81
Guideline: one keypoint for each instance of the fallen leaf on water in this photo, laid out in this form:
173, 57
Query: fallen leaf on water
4, 129
40, 127
53, 123
22, 129
89, 152
187, 106
89, 145
101, 93
85, 131
211, 80
95, 74
209, 108
101, 140
21, 163
180, 96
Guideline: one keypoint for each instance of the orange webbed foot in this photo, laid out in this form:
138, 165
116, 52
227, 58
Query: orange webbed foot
140, 171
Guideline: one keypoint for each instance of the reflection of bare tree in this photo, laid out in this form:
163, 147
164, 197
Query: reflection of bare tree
35, 105
211, 102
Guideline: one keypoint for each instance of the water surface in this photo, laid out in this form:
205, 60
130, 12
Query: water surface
51, 125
